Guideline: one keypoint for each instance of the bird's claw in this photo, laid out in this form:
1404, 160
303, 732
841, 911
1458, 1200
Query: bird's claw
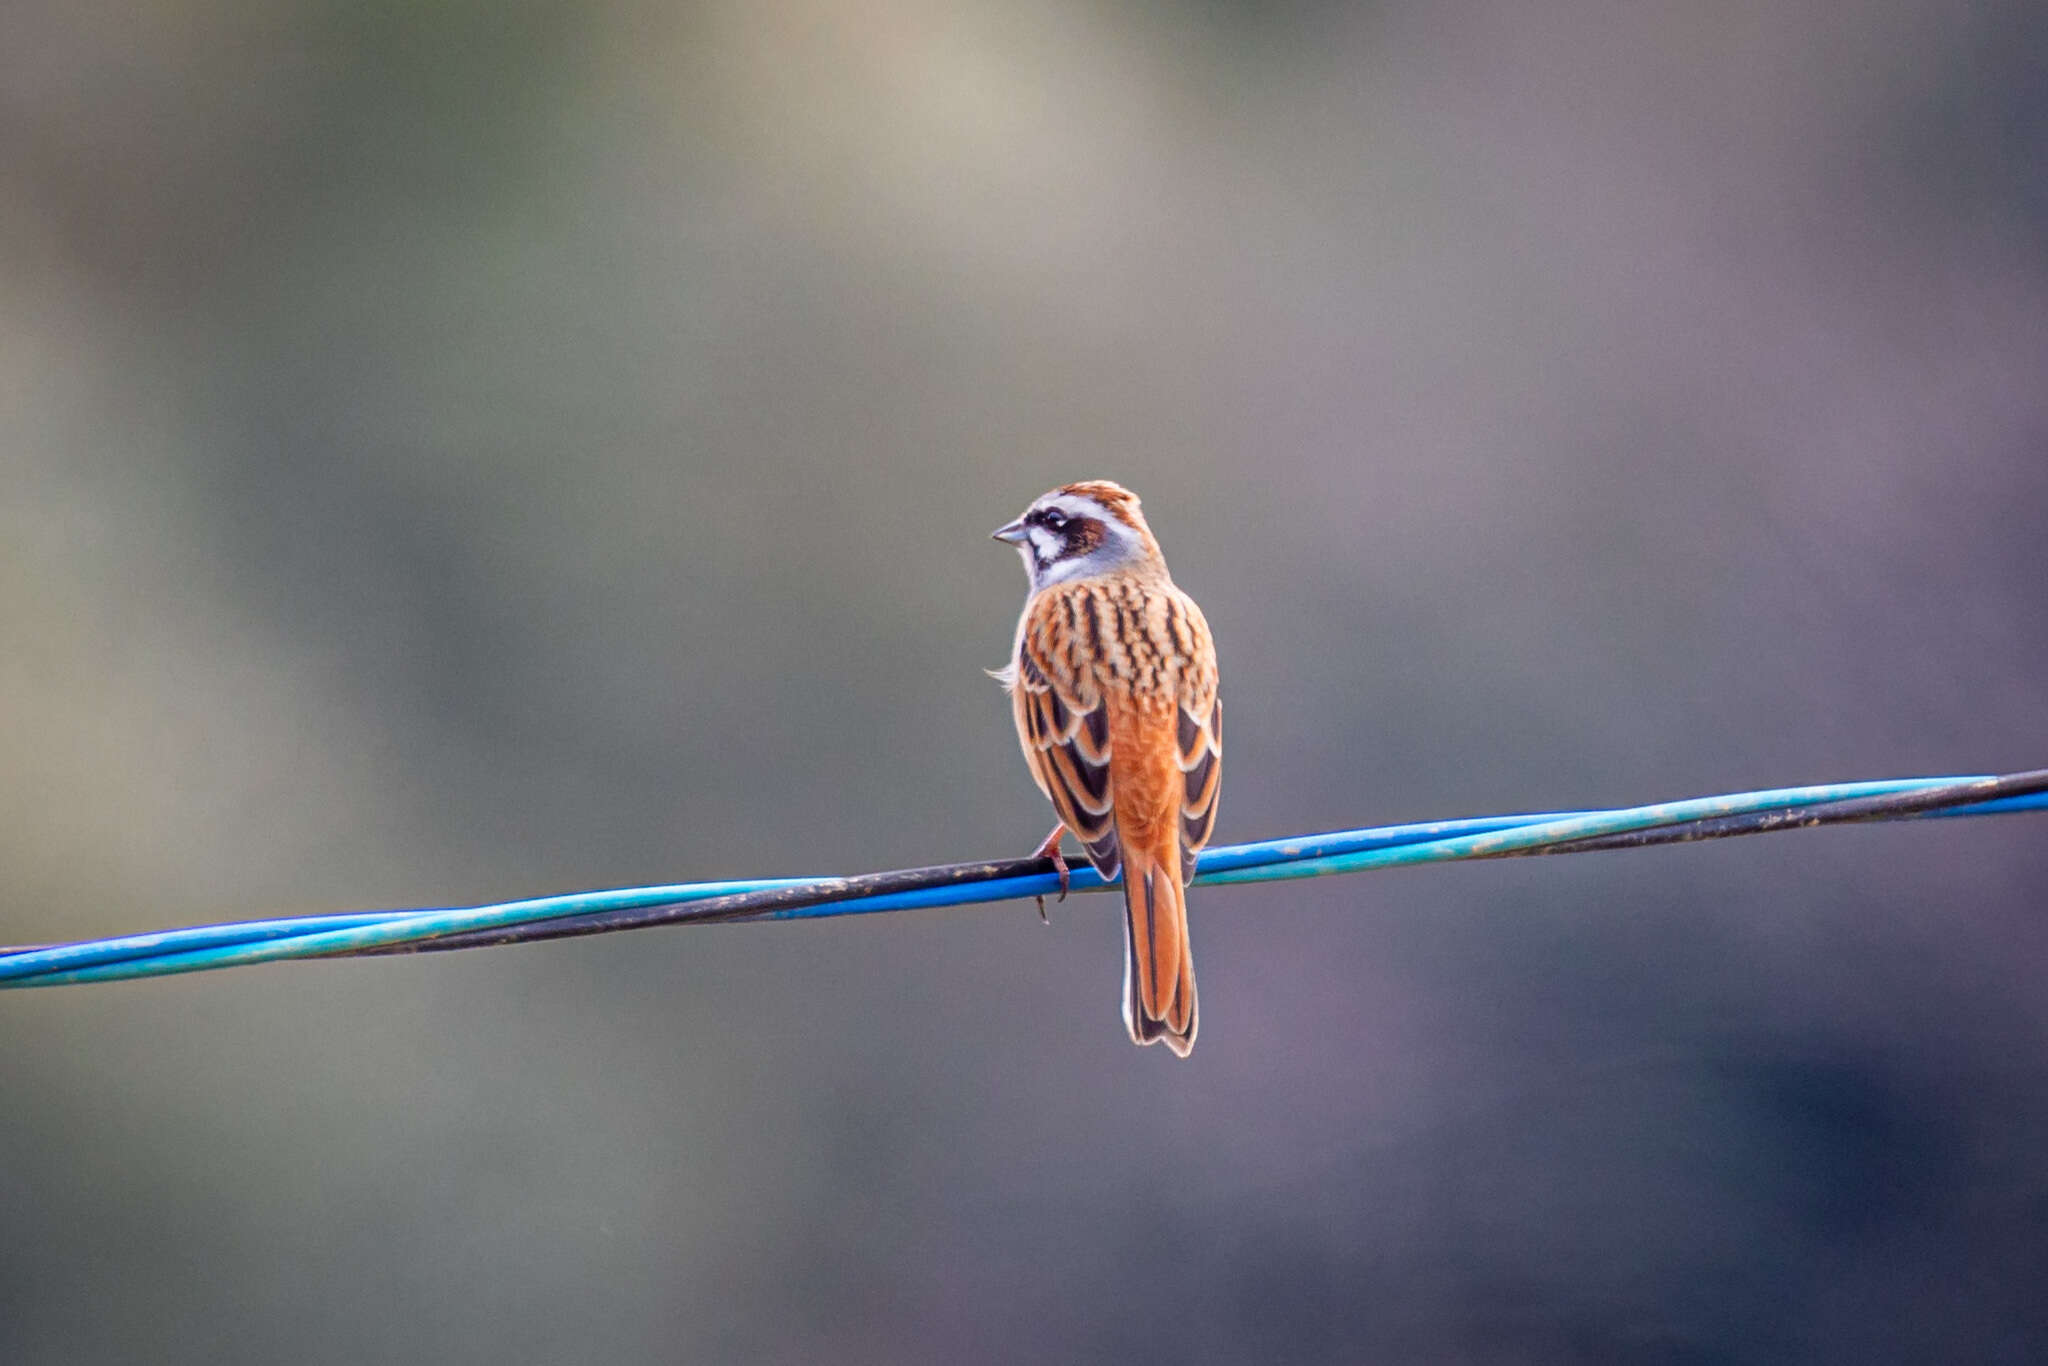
1051, 849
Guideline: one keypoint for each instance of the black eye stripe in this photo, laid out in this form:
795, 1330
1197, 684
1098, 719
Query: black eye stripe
1073, 534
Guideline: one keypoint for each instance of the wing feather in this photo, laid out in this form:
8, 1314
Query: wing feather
1201, 764
1064, 726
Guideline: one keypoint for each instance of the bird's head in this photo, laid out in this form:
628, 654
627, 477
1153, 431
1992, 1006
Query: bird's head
1081, 531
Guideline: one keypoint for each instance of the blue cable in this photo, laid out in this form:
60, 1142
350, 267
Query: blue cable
257, 941
204, 947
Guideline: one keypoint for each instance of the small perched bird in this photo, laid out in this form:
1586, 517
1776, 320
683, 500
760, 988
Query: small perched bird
1113, 682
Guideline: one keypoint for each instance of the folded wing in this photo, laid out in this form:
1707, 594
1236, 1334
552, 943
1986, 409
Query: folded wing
1064, 726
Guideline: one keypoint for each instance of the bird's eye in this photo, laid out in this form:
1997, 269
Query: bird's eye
1055, 519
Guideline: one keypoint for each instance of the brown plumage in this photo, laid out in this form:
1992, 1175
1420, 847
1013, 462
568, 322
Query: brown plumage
1113, 684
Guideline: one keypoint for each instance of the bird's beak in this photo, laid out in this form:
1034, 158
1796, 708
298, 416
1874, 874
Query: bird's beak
1014, 533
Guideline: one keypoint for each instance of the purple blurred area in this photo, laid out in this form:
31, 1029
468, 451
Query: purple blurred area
455, 451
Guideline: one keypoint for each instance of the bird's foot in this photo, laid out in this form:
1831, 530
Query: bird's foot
1051, 849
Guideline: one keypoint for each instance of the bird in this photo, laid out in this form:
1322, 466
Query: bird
1112, 683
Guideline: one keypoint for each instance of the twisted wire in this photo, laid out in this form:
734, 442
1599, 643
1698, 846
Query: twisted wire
370, 933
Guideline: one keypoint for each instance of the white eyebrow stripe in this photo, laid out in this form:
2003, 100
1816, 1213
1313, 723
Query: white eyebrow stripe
1074, 506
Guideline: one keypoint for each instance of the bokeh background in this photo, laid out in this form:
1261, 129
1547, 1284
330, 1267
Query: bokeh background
451, 451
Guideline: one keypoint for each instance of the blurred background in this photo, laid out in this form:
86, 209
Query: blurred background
454, 451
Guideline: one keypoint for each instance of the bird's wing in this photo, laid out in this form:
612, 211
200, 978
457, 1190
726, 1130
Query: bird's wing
1063, 725
1198, 737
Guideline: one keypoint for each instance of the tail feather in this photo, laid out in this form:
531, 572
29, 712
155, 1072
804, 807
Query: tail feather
1159, 967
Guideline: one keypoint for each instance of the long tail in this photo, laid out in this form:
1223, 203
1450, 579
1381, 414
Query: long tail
1159, 967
